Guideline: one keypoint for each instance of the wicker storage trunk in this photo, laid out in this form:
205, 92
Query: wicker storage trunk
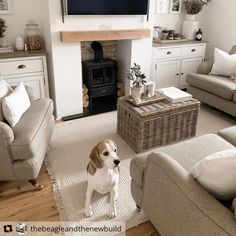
156, 124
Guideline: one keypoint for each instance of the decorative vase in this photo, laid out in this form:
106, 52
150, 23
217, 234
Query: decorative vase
149, 89
165, 35
19, 43
190, 27
136, 94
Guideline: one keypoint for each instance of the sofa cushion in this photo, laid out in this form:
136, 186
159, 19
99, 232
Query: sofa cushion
30, 91
224, 64
213, 100
190, 152
205, 67
233, 50
216, 173
29, 132
5, 90
229, 134
217, 85
187, 153
15, 104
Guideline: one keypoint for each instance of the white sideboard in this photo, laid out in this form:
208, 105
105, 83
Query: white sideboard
171, 63
31, 68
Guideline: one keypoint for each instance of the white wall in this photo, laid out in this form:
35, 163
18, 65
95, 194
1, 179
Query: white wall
219, 25
22, 11
125, 59
171, 21
46, 32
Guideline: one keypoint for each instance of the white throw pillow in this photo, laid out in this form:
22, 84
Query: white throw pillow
217, 174
224, 64
5, 90
15, 104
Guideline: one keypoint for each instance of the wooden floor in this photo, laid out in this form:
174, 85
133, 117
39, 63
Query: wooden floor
28, 204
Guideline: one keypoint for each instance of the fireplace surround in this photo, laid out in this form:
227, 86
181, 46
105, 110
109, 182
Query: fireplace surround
127, 49
100, 78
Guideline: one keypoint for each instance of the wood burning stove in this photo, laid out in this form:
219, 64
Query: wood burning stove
100, 77
99, 74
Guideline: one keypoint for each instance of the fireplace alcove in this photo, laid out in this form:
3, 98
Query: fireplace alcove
126, 45
100, 78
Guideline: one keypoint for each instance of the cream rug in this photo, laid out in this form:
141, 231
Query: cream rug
71, 144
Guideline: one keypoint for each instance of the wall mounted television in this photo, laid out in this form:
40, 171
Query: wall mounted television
107, 7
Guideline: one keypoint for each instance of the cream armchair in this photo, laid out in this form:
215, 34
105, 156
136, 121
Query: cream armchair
23, 147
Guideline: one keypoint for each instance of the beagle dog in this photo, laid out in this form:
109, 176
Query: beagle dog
103, 175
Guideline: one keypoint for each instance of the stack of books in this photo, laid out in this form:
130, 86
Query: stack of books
6, 49
175, 95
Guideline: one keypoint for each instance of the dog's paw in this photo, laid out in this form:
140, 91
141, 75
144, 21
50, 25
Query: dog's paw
88, 213
112, 214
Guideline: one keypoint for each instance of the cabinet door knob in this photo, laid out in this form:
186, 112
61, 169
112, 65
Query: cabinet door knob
193, 50
177, 74
21, 67
182, 73
169, 52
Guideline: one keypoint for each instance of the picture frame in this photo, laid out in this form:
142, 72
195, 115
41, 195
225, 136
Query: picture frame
162, 6
176, 6
5, 7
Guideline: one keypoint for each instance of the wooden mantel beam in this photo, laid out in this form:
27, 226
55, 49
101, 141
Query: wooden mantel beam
103, 35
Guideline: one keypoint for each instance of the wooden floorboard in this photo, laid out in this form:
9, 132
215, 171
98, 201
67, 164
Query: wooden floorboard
145, 229
28, 204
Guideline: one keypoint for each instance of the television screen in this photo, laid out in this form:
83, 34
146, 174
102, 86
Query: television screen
107, 7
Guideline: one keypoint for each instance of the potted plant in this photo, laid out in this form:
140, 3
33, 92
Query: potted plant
192, 8
3, 28
138, 79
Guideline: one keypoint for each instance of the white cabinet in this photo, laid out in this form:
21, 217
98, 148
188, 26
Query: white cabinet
172, 63
188, 65
36, 82
167, 73
32, 70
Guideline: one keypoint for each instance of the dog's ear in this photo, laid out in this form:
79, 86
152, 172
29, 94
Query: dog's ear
91, 169
94, 156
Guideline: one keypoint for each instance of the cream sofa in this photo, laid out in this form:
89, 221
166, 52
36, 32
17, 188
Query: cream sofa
216, 91
171, 199
23, 147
